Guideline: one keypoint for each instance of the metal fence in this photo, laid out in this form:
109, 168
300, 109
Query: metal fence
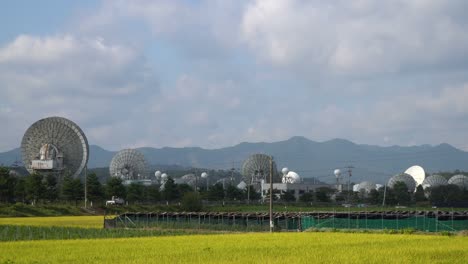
427, 221
210, 220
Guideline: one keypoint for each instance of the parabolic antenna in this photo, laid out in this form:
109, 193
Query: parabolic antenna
405, 178
55, 145
257, 168
417, 172
459, 180
129, 164
434, 181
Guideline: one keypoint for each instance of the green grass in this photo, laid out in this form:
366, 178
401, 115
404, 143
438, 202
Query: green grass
20, 210
244, 248
19, 233
70, 221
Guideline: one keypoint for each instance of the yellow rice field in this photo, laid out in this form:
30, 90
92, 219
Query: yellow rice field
245, 248
72, 221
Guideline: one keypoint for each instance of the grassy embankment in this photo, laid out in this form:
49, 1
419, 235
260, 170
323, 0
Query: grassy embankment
244, 248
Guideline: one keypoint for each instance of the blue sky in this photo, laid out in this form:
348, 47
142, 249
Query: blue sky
216, 73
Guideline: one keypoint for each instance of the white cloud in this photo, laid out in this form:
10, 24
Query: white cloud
85, 79
384, 72
357, 37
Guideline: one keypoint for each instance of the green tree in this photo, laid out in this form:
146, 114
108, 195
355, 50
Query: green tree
374, 197
152, 193
323, 194
114, 187
307, 197
51, 191
170, 192
184, 188
233, 193
419, 194
401, 194
444, 195
253, 195
7, 185
288, 196
67, 188
216, 192
135, 193
95, 191
20, 190
191, 201
34, 187
72, 189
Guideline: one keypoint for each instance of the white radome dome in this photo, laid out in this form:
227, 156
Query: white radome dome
337, 172
204, 175
291, 177
367, 186
285, 171
164, 176
157, 174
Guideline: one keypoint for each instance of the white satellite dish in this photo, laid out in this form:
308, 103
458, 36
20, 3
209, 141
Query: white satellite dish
418, 174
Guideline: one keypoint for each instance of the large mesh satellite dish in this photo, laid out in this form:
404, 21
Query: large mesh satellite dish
257, 167
405, 178
434, 181
459, 180
55, 145
129, 165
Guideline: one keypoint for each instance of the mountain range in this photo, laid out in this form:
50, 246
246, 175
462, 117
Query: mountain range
306, 157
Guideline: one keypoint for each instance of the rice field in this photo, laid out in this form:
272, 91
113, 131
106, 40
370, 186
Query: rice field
244, 248
63, 221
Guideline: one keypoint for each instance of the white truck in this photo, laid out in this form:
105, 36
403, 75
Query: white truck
115, 201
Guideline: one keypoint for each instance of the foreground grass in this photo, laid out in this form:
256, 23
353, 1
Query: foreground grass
244, 248
70, 221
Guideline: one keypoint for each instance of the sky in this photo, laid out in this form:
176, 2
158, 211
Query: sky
215, 73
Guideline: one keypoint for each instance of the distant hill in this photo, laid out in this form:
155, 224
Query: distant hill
308, 158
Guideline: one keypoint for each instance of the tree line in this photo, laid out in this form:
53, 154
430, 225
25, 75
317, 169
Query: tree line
42, 189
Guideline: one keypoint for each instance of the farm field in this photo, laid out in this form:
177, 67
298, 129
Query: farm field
244, 248
64, 221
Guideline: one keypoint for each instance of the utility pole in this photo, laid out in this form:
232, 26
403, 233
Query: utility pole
384, 194
349, 180
86, 187
271, 194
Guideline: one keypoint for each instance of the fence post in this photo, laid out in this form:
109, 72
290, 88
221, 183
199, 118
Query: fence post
452, 219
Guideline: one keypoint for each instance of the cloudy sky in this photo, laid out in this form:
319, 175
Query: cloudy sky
216, 73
